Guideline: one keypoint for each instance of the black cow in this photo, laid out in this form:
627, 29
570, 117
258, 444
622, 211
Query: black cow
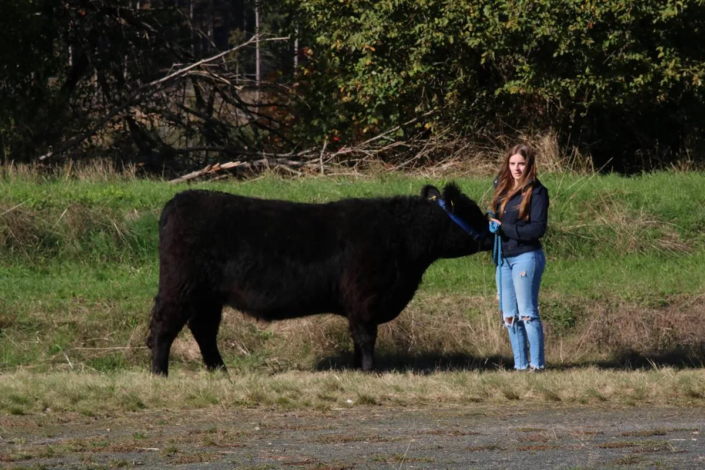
360, 258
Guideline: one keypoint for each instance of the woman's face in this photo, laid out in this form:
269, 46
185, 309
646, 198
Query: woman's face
517, 166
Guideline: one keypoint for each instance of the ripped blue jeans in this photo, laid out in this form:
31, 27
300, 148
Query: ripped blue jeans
521, 279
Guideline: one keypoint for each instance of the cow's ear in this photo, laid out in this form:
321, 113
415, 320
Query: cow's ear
451, 195
430, 192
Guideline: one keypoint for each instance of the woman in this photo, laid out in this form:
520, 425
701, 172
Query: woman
521, 206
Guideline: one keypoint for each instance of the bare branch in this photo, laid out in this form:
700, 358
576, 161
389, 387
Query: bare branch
218, 167
151, 87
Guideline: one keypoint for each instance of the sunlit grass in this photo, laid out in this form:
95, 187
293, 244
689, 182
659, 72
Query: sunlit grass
78, 271
101, 394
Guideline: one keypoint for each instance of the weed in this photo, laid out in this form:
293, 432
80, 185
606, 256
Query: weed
509, 393
628, 460
344, 438
399, 458
132, 402
450, 432
618, 445
645, 433
548, 394
535, 437
191, 458
119, 463
170, 450
483, 448
365, 399
530, 429
537, 447
17, 411
642, 446
593, 393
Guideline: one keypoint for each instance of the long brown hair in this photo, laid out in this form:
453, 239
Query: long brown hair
505, 186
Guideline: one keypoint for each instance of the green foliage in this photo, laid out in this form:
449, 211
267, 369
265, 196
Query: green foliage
495, 65
623, 79
560, 315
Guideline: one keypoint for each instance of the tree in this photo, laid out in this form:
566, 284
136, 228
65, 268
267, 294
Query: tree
620, 78
84, 80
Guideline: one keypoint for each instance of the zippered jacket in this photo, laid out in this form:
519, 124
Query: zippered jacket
522, 236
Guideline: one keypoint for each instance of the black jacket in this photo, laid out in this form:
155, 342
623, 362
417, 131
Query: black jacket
521, 236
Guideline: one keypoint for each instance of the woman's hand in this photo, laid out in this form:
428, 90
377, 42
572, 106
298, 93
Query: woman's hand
498, 222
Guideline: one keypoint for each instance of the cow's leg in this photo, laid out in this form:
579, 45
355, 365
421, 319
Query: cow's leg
357, 361
168, 318
204, 325
364, 336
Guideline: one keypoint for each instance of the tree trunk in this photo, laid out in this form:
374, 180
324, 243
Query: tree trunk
258, 63
211, 23
191, 27
296, 51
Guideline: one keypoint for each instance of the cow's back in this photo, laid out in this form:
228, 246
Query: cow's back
273, 259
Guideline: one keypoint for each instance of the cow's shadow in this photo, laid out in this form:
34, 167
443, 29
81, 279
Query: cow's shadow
420, 363
426, 363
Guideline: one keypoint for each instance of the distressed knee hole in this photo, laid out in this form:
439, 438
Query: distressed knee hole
523, 274
526, 319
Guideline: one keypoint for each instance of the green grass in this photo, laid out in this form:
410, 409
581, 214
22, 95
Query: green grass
78, 269
652, 224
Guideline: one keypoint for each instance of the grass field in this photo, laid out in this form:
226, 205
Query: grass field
109, 395
624, 285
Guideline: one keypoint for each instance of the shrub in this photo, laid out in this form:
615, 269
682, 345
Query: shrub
623, 78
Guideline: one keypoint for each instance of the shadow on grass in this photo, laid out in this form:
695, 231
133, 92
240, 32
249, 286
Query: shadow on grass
678, 358
422, 363
425, 363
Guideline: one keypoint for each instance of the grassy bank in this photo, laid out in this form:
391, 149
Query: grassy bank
113, 394
624, 284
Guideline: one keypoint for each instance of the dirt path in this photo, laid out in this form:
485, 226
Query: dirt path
362, 438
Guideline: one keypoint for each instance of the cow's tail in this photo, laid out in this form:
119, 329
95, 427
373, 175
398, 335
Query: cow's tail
152, 322
154, 314
166, 212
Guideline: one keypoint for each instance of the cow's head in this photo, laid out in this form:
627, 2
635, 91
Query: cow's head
461, 207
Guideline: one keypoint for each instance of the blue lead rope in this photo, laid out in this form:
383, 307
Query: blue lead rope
461, 223
497, 258
493, 228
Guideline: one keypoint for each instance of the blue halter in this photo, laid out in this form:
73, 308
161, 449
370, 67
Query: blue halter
497, 257
461, 223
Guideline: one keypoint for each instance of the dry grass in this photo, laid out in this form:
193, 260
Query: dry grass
446, 332
623, 328
465, 332
92, 170
438, 157
551, 157
626, 229
464, 157
100, 394
433, 325
446, 155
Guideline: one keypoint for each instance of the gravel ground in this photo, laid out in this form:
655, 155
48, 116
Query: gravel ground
362, 438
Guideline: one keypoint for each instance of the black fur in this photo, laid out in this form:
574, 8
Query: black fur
360, 258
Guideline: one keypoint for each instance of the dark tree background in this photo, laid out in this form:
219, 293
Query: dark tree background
83, 79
